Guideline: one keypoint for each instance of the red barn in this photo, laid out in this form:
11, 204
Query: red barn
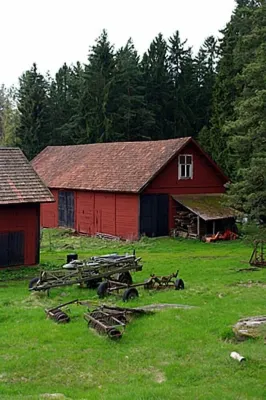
21, 192
127, 189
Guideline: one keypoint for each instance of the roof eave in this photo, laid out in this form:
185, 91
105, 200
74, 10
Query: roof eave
189, 139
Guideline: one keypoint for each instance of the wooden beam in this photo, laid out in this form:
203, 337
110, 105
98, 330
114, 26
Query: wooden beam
198, 226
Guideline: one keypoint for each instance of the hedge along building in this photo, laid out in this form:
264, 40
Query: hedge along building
127, 188
21, 192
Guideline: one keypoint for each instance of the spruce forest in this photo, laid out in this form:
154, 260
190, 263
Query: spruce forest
217, 96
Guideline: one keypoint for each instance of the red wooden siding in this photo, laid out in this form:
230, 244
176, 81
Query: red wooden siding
105, 213
85, 212
115, 214
205, 177
127, 216
49, 212
23, 217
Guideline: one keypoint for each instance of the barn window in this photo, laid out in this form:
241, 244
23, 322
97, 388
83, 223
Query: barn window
185, 166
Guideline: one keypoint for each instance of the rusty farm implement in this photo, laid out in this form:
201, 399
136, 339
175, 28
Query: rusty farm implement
130, 290
106, 320
88, 273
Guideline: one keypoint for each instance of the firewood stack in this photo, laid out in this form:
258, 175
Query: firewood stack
185, 224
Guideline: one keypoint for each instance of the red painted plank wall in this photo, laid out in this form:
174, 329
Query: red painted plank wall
84, 212
205, 177
22, 217
205, 180
115, 214
49, 212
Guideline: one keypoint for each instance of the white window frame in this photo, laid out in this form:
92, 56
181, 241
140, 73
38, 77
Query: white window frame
180, 167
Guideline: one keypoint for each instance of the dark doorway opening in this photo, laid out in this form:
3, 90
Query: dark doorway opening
154, 210
66, 209
11, 249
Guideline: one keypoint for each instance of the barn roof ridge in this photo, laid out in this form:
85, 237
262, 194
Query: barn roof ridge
112, 167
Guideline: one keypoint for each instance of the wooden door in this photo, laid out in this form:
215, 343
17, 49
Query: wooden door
11, 249
66, 216
154, 215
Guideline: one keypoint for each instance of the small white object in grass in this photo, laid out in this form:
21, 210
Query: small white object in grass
237, 356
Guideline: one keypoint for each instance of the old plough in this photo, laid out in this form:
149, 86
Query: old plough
112, 320
108, 320
130, 292
89, 273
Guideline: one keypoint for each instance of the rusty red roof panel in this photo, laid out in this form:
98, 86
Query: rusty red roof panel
118, 167
19, 183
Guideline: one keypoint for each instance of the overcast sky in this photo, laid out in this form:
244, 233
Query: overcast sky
51, 32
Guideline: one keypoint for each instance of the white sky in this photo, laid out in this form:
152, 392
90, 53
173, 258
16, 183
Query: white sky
51, 32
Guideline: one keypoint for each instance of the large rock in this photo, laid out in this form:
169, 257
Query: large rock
250, 327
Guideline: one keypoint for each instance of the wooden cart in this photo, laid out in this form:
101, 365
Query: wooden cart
88, 273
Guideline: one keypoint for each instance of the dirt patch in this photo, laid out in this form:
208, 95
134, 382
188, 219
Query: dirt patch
249, 284
158, 307
157, 375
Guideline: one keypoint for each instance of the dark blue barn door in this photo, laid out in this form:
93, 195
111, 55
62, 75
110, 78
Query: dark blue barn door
154, 215
66, 209
11, 249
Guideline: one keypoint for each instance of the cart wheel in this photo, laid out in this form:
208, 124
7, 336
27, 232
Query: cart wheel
33, 283
93, 284
148, 284
179, 284
130, 293
125, 277
102, 289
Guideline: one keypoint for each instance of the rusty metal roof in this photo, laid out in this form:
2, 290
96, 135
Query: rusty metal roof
116, 167
19, 183
207, 207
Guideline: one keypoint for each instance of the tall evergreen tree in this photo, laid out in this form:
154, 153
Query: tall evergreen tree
33, 131
206, 61
64, 97
9, 117
226, 89
247, 128
131, 119
96, 103
185, 88
159, 88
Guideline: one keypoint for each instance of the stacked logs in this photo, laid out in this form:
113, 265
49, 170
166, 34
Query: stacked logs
185, 224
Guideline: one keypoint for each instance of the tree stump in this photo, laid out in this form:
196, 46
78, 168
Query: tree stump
250, 327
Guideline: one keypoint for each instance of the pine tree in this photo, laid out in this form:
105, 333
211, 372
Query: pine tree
131, 119
64, 97
96, 103
33, 131
247, 128
226, 90
9, 117
206, 61
158, 88
185, 88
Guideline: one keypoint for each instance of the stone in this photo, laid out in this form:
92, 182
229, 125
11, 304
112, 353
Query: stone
250, 327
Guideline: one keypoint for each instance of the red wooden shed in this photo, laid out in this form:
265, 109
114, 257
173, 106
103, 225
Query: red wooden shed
125, 189
21, 192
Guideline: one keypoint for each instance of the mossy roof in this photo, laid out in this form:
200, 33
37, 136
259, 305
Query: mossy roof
207, 207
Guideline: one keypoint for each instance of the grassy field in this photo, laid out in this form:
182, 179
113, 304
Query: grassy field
173, 354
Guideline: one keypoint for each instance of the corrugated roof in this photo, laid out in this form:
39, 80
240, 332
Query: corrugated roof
208, 207
19, 183
118, 167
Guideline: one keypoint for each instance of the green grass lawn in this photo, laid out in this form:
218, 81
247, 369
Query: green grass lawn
172, 354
